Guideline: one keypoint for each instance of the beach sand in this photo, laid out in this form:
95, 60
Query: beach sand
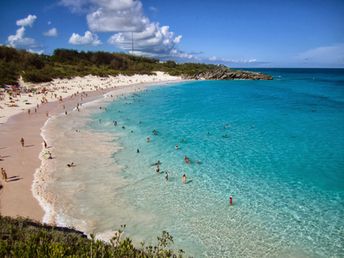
21, 163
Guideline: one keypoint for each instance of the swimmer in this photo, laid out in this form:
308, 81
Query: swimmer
148, 139
137, 151
230, 200
166, 176
184, 179
156, 163
177, 147
157, 168
187, 160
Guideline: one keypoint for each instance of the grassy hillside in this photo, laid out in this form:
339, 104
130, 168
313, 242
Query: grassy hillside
26, 238
66, 63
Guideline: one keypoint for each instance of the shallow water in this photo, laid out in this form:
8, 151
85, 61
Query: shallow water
276, 146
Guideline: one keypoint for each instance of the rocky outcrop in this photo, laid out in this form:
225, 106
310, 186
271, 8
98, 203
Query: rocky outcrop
223, 73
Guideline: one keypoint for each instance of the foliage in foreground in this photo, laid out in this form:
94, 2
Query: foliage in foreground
26, 238
66, 63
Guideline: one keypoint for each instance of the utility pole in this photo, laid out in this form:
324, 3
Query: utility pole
132, 42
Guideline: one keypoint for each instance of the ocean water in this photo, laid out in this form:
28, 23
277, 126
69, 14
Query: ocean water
276, 146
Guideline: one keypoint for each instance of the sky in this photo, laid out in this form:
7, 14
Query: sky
237, 33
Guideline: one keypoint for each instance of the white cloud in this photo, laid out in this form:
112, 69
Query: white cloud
153, 9
153, 40
88, 39
39, 52
117, 18
28, 21
126, 19
182, 55
233, 61
51, 33
332, 55
19, 39
74, 5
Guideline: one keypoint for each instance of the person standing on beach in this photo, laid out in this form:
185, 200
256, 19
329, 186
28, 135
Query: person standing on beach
45, 144
22, 142
4, 174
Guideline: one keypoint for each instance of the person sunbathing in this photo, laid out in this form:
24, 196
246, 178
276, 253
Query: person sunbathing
70, 165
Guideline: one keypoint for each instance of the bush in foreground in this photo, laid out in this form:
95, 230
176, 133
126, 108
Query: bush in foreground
26, 238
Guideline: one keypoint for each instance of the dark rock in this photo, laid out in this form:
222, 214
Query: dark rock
224, 73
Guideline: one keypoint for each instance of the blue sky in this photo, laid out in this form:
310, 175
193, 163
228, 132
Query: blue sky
260, 33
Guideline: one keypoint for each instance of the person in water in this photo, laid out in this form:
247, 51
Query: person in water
230, 200
177, 147
187, 160
166, 176
148, 139
156, 163
137, 151
157, 168
184, 179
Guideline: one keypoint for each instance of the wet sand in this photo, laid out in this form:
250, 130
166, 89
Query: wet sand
20, 163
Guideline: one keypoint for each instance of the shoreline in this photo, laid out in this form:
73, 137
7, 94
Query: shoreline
21, 163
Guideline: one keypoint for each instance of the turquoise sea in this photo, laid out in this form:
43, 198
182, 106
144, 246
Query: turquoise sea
276, 146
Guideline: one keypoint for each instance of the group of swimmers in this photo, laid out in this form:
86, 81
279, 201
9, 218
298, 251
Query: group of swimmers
186, 160
157, 170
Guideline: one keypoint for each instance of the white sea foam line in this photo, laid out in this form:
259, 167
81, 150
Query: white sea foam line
39, 184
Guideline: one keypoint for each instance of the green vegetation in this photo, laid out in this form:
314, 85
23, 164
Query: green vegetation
65, 63
26, 238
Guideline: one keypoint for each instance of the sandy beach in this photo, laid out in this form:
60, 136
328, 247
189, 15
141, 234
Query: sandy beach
58, 96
